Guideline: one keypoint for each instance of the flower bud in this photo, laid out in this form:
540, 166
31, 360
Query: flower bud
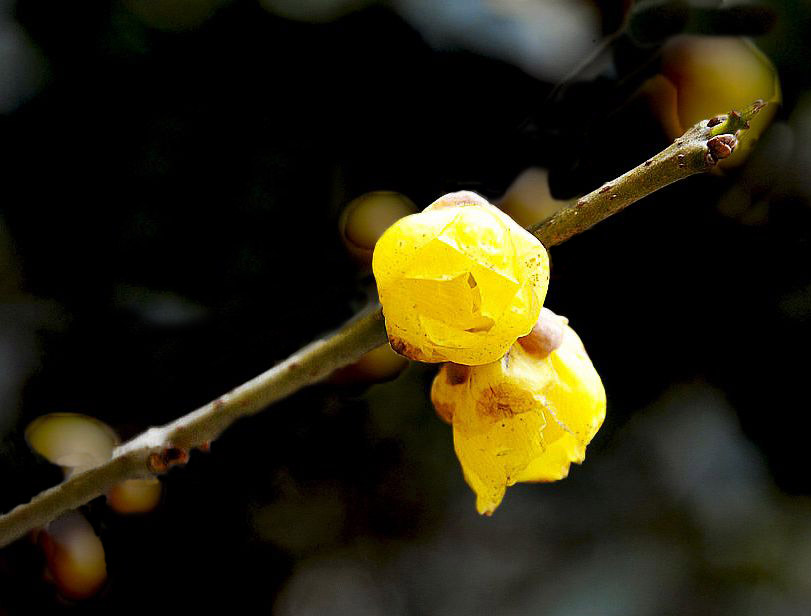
525, 417
74, 556
365, 218
376, 366
135, 496
460, 281
706, 76
529, 200
71, 440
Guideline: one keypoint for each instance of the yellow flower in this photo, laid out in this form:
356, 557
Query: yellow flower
526, 417
460, 281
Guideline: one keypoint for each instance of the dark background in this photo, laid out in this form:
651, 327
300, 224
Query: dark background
169, 201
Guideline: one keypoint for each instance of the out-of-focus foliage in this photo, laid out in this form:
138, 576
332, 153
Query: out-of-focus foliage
512, 30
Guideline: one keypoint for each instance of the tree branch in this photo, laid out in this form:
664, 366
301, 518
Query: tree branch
697, 151
156, 450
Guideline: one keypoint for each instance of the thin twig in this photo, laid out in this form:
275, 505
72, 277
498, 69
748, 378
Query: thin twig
697, 151
157, 449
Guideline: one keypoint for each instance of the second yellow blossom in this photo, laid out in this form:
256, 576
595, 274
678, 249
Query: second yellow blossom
526, 417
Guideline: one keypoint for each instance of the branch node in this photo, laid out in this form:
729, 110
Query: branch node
161, 461
715, 121
734, 121
721, 146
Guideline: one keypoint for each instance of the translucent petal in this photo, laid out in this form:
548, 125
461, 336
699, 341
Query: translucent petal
521, 418
459, 281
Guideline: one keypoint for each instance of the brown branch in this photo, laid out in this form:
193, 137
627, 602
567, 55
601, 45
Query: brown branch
157, 449
697, 151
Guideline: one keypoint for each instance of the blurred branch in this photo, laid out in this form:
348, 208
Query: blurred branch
158, 449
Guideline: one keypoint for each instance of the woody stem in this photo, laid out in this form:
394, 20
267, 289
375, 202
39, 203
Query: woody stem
698, 150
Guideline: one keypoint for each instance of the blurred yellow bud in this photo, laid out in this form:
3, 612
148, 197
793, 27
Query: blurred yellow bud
74, 556
525, 417
71, 440
460, 281
135, 496
705, 76
528, 200
365, 218
378, 365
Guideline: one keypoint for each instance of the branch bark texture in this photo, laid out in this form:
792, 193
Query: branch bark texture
157, 449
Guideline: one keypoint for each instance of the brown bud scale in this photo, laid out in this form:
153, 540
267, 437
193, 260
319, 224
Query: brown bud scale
721, 146
546, 335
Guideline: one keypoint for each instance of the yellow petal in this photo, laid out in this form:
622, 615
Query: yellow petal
555, 462
495, 437
522, 418
577, 398
459, 282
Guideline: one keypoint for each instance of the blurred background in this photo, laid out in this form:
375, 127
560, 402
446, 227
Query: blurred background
185, 200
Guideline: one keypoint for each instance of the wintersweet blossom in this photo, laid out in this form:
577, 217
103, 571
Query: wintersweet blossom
525, 417
459, 281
